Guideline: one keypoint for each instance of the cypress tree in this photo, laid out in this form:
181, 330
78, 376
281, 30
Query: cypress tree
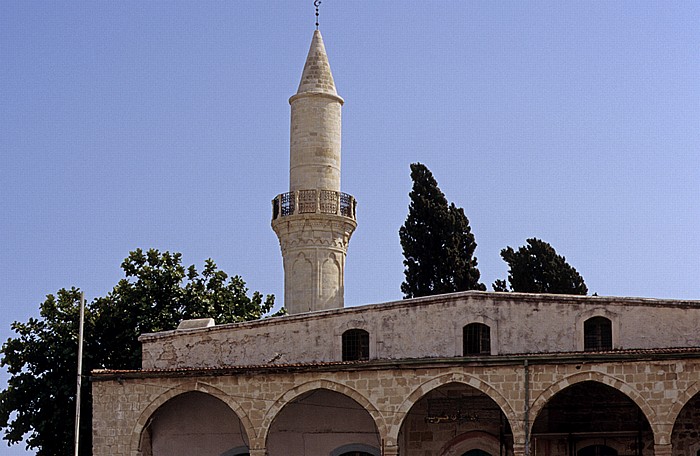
537, 268
438, 245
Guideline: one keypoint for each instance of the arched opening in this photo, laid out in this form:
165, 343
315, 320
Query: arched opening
476, 452
194, 423
685, 437
241, 451
356, 449
455, 419
355, 345
322, 422
597, 450
597, 334
476, 338
587, 417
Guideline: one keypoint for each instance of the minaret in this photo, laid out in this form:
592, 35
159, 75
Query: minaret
314, 220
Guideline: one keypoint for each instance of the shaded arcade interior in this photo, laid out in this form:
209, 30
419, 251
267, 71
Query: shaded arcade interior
686, 430
455, 420
591, 419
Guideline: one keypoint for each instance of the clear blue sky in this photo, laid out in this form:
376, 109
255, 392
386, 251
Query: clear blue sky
166, 125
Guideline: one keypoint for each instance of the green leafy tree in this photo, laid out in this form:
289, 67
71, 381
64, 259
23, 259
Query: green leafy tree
537, 268
438, 245
156, 294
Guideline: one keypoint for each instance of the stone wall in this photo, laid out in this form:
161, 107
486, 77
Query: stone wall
430, 327
663, 387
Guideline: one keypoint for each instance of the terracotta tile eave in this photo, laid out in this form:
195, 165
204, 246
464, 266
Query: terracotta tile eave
629, 355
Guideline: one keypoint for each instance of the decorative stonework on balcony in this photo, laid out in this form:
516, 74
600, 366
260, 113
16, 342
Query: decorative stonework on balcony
314, 202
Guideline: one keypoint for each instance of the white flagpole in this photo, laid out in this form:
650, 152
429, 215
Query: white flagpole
80, 372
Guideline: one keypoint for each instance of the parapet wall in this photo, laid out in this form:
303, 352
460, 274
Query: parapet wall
430, 328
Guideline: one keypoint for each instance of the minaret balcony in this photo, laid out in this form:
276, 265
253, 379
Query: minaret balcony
313, 202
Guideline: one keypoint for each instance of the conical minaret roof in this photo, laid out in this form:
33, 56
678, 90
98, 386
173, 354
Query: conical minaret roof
317, 77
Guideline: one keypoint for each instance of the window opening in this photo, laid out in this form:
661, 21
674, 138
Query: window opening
476, 339
355, 345
597, 334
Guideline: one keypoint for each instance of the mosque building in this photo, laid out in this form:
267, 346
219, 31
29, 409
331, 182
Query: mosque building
462, 374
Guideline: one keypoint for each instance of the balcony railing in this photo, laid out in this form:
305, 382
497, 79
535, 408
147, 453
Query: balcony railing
313, 202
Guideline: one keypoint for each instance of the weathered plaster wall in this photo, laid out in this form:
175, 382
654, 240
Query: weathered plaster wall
430, 327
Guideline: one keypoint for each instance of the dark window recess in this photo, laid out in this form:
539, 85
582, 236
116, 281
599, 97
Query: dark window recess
355, 345
476, 339
597, 334
597, 450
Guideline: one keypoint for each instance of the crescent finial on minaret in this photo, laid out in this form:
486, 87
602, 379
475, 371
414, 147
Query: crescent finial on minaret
317, 3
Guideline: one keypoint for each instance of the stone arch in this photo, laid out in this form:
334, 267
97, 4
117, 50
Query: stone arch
355, 447
293, 393
299, 273
684, 396
330, 272
455, 377
471, 441
593, 376
188, 387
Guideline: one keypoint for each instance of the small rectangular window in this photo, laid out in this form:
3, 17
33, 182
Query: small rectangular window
597, 334
477, 339
355, 345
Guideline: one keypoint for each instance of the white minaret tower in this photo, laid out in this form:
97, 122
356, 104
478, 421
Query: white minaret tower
314, 220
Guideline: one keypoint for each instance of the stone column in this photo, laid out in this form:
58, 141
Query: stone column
258, 452
519, 449
391, 450
663, 449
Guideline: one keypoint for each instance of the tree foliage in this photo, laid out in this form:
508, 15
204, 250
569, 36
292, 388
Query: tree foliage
537, 268
155, 295
438, 245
